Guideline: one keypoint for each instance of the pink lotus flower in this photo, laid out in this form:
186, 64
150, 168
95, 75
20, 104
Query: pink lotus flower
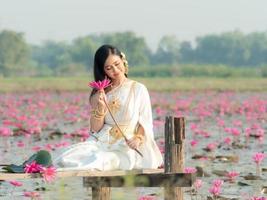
5, 131
215, 190
204, 158
147, 198
255, 126
7, 122
20, 144
227, 140
48, 147
205, 134
33, 195
62, 144
227, 130
15, 183
32, 167
160, 111
258, 158
211, 146
247, 132
217, 183
193, 143
193, 126
258, 198
49, 173
198, 184
190, 170
232, 175
237, 123
36, 148
260, 132
220, 122
235, 131
99, 85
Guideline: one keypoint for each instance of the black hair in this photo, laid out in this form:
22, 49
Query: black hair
100, 58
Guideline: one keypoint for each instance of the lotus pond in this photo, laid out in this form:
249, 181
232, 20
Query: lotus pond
225, 141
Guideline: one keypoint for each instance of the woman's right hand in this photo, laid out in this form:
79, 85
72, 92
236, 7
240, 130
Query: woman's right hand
98, 100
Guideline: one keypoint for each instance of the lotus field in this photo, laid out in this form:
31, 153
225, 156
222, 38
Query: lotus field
226, 142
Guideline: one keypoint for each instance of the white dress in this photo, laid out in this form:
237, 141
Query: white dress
103, 151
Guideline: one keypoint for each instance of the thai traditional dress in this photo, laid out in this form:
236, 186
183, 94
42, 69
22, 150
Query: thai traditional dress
107, 149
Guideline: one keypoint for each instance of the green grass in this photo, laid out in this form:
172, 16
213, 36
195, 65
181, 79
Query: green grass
154, 84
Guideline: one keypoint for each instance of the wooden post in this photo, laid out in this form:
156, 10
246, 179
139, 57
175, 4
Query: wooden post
98, 192
101, 193
174, 153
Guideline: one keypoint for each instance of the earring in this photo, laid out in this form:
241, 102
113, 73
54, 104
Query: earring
125, 62
126, 68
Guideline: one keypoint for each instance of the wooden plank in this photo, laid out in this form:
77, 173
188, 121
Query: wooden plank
80, 173
142, 180
147, 178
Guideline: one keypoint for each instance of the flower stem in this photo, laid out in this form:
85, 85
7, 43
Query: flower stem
258, 170
125, 138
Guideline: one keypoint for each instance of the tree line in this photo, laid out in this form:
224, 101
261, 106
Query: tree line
234, 49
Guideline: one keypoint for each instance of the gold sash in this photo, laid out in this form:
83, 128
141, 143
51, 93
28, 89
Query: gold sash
114, 131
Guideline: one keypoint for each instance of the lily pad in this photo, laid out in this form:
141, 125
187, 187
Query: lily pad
229, 158
42, 157
14, 168
56, 133
243, 183
201, 173
220, 172
252, 177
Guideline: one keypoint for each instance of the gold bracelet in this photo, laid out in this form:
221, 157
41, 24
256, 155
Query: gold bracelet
98, 115
98, 111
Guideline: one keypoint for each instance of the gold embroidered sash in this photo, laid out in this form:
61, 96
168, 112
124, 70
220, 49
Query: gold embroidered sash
114, 131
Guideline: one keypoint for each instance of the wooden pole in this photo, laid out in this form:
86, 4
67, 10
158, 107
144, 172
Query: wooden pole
174, 153
98, 192
101, 193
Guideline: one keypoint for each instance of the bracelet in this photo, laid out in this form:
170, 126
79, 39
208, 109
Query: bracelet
97, 114
101, 113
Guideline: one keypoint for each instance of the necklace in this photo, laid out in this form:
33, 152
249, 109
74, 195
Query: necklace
118, 86
115, 103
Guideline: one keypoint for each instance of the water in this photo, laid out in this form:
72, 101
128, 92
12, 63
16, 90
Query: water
67, 113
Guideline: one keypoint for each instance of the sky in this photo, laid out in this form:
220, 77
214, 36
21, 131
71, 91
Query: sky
64, 20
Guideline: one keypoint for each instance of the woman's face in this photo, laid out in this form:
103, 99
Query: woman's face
114, 67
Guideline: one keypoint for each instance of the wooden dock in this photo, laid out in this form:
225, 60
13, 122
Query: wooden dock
172, 177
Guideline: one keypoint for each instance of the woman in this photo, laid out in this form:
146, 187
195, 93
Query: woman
130, 105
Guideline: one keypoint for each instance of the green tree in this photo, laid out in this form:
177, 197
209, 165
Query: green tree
82, 51
257, 43
14, 52
228, 48
52, 54
134, 47
186, 52
168, 51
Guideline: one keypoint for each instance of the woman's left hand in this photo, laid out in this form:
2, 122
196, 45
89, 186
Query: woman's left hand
134, 142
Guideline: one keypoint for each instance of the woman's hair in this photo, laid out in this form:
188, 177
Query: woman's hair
100, 58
